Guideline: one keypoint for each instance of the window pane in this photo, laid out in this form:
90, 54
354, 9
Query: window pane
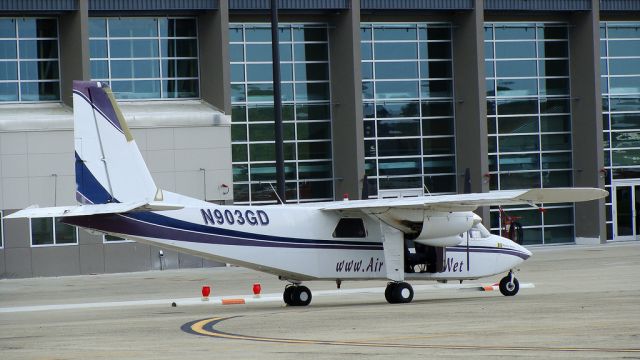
393, 51
97, 27
519, 49
520, 124
65, 234
40, 91
393, 128
396, 89
397, 109
511, 181
436, 146
9, 91
399, 147
396, 70
39, 70
7, 28
133, 27
310, 52
37, 28
516, 68
42, 231
395, 33
8, 70
38, 49
8, 49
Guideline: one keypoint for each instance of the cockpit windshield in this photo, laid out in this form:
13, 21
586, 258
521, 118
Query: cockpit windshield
478, 231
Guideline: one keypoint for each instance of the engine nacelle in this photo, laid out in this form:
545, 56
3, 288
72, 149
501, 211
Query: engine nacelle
445, 225
440, 242
439, 229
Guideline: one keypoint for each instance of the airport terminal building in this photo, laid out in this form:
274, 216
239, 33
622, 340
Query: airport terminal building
410, 96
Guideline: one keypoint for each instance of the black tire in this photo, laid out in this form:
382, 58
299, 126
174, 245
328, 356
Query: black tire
301, 296
508, 289
287, 295
403, 293
389, 291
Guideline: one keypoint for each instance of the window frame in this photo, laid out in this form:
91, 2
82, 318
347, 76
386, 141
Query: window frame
53, 230
159, 58
18, 60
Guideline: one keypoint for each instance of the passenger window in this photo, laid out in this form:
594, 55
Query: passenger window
350, 228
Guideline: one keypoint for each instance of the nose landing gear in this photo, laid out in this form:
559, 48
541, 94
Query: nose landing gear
509, 285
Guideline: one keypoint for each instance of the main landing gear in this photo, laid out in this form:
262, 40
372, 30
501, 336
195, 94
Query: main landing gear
398, 293
509, 285
296, 295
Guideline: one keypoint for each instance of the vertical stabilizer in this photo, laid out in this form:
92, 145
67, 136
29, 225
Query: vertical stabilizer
109, 166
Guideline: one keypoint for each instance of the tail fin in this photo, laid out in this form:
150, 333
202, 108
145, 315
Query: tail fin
109, 166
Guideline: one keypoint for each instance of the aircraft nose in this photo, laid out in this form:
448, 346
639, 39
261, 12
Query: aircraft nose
523, 250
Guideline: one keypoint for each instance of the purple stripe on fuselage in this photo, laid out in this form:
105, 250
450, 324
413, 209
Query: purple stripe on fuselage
484, 249
123, 224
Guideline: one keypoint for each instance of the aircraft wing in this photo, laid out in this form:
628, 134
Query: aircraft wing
469, 202
85, 210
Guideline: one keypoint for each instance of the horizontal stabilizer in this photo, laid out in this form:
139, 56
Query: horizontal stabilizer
469, 202
86, 210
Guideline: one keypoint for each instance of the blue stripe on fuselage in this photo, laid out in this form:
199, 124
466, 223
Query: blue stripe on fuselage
487, 249
132, 224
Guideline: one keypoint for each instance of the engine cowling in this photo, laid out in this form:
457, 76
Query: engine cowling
438, 229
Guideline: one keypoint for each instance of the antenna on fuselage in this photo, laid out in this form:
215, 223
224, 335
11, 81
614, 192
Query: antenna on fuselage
275, 193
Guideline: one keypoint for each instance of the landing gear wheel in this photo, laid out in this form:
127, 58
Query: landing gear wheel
287, 295
398, 293
509, 287
301, 296
389, 291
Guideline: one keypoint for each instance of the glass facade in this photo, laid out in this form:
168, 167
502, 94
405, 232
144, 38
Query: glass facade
145, 58
407, 91
29, 60
620, 83
529, 121
306, 112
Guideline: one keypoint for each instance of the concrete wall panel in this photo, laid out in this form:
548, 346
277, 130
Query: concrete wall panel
160, 160
16, 233
2, 263
15, 165
190, 183
189, 261
48, 142
17, 263
199, 137
165, 180
169, 259
47, 164
55, 260
159, 139
91, 259
124, 257
13, 143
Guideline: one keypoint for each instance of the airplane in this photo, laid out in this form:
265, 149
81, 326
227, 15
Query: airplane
420, 238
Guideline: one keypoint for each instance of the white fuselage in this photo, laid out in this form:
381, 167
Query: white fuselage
295, 242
